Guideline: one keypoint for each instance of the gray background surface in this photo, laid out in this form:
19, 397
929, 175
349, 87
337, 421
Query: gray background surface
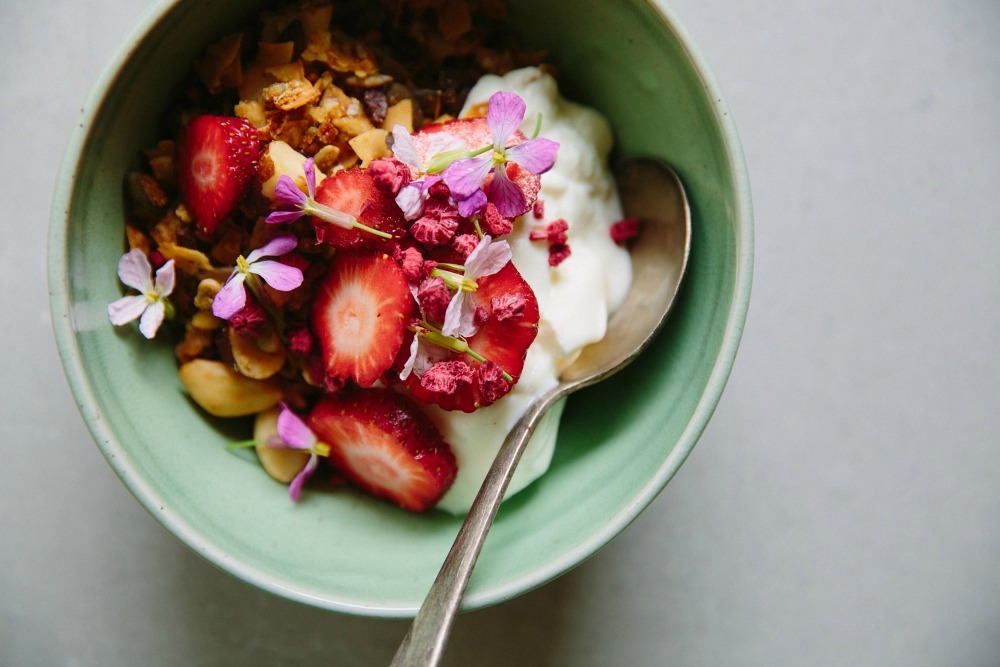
842, 508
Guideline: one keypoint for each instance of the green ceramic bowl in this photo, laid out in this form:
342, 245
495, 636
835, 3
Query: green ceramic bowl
621, 441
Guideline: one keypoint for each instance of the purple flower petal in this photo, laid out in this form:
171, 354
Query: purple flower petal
287, 192
165, 279
466, 176
296, 486
282, 216
126, 309
231, 298
134, 270
506, 195
309, 167
279, 245
151, 320
294, 432
471, 205
536, 155
504, 114
281, 277
411, 200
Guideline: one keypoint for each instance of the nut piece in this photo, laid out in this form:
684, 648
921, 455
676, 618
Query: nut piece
280, 159
252, 360
400, 113
370, 145
281, 464
223, 392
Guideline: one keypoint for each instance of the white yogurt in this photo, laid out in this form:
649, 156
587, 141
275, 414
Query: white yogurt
574, 299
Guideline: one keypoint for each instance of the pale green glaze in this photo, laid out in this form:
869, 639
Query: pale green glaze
621, 441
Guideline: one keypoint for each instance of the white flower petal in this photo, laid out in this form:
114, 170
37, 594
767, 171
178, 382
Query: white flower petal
165, 279
126, 309
404, 148
151, 320
134, 270
487, 258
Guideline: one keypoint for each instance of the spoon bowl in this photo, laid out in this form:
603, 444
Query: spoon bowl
653, 193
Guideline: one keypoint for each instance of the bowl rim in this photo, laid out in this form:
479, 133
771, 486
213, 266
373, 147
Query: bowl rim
64, 330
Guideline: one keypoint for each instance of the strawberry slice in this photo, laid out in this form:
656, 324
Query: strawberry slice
360, 314
502, 339
216, 161
385, 444
353, 191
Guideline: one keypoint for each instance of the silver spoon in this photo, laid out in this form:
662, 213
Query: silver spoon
652, 192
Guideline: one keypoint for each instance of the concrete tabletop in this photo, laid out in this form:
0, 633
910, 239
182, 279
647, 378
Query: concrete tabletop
843, 506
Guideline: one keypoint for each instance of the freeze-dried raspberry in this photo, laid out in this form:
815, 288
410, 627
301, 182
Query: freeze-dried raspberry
433, 296
481, 316
412, 263
249, 321
554, 232
491, 381
538, 209
558, 252
507, 306
495, 224
447, 376
437, 225
464, 244
625, 230
300, 341
390, 175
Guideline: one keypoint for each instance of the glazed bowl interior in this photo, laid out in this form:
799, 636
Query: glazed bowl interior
620, 441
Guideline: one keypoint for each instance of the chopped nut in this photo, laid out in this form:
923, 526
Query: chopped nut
326, 158
352, 126
370, 145
291, 94
207, 289
196, 341
204, 319
220, 68
188, 260
137, 239
400, 113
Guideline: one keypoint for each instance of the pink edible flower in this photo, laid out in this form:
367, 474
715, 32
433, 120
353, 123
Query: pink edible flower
294, 434
150, 306
465, 177
232, 297
423, 355
487, 258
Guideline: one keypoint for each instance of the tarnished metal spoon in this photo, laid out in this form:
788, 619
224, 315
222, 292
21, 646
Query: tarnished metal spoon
652, 192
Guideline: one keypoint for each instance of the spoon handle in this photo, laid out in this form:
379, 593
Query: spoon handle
424, 644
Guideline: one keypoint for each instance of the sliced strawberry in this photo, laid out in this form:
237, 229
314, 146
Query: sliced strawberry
502, 339
215, 163
354, 192
360, 314
385, 444
475, 133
